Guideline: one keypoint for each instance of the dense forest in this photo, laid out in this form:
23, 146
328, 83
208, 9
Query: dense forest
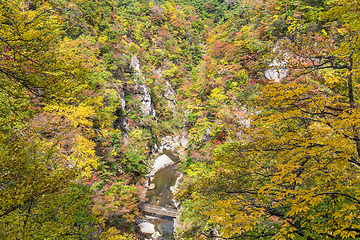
267, 93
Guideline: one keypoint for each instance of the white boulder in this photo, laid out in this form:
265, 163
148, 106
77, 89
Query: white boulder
147, 228
156, 235
159, 163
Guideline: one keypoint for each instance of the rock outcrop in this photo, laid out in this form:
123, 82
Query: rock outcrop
277, 68
144, 96
174, 142
276, 71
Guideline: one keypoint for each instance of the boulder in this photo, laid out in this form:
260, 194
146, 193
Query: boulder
151, 186
147, 228
160, 162
156, 235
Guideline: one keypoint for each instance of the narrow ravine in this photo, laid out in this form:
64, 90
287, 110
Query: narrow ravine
160, 194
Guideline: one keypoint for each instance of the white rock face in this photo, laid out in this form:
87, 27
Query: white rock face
175, 188
122, 98
277, 71
184, 141
135, 63
173, 142
161, 162
145, 98
146, 227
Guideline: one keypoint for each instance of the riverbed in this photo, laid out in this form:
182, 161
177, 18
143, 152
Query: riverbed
162, 196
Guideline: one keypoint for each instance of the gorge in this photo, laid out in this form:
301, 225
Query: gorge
243, 115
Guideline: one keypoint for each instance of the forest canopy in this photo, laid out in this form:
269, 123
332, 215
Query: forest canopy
267, 92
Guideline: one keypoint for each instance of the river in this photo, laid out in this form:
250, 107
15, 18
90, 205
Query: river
162, 196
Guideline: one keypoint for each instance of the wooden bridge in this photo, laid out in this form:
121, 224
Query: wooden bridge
170, 212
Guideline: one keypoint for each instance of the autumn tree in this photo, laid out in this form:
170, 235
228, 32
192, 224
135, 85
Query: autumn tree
44, 149
294, 173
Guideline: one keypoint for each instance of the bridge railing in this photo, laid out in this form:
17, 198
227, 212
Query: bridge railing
158, 210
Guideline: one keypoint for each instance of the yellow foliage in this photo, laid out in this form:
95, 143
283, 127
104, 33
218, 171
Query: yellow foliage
79, 115
114, 234
83, 155
294, 172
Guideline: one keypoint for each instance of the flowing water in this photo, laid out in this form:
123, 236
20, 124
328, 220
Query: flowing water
163, 197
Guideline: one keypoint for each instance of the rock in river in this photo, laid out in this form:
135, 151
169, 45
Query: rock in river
160, 162
151, 186
146, 227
